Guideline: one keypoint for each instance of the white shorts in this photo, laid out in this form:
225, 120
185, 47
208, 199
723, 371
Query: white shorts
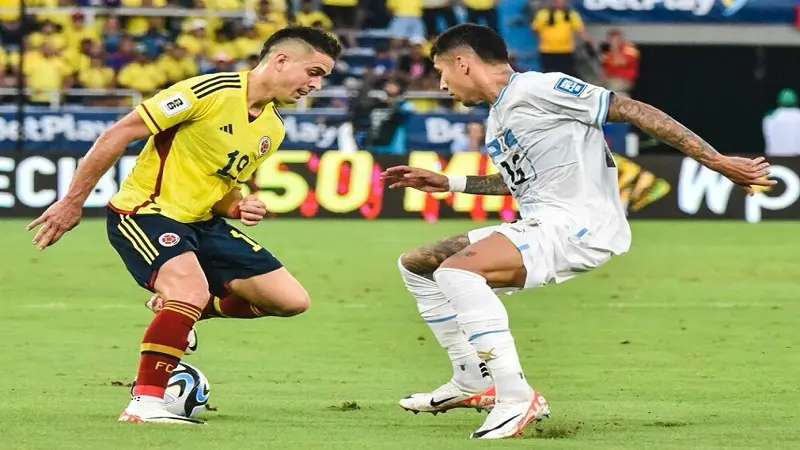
548, 253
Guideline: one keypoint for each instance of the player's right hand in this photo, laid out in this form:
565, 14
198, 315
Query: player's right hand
745, 172
419, 179
59, 218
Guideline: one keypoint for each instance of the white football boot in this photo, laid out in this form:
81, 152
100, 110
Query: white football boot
508, 419
449, 396
149, 411
155, 304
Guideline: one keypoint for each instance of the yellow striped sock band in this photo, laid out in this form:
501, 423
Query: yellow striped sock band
190, 311
165, 349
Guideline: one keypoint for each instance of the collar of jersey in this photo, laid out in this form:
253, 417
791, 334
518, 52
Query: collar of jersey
503, 91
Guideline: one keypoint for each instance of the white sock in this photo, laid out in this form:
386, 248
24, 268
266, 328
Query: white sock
484, 320
468, 369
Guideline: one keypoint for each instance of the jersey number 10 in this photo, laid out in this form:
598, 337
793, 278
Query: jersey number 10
240, 165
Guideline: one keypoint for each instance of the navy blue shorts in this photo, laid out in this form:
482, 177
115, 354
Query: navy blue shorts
146, 241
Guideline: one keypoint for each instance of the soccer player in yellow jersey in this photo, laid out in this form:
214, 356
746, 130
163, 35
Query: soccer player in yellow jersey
206, 137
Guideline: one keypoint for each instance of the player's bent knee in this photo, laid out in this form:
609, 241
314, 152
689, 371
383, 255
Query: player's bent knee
417, 264
296, 306
282, 297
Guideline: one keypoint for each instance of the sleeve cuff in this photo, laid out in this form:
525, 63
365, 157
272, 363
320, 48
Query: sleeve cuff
148, 119
602, 108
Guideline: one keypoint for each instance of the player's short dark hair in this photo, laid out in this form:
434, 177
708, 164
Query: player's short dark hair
319, 40
484, 41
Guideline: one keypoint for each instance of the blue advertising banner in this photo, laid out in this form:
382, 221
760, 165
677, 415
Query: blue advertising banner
682, 11
76, 130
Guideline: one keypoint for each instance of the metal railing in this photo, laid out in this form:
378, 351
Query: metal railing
55, 96
340, 92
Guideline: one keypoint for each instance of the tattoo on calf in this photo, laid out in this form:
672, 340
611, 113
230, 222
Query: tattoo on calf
425, 260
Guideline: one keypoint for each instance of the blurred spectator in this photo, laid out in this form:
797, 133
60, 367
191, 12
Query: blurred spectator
345, 16
123, 55
268, 21
434, 11
482, 11
96, 75
202, 11
620, 64
77, 31
11, 32
141, 74
195, 39
248, 43
415, 65
407, 21
309, 16
45, 71
781, 127
224, 42
155, 37
556, 26
176, 64
473, 139
383, 67
389, 117
222, 62
137, 26
60, 18
111, 34
79, 58
49, 34
248, 64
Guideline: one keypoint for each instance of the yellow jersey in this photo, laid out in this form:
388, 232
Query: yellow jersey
204, 145
559, 37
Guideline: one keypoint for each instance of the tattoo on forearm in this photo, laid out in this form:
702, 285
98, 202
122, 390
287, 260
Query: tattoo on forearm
487, 185
661, 126
425, 260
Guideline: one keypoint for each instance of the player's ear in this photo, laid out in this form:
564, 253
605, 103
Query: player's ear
461, 64
464, 66
280, 60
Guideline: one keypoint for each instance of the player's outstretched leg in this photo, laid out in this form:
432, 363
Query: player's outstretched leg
276, 293
471, 386
467, 279
181, 281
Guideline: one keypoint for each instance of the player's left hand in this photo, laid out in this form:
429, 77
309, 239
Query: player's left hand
251, 210
745, 172
59, 218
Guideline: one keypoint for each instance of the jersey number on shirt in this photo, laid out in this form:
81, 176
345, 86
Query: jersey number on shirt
519, 170
514, 171
232, 160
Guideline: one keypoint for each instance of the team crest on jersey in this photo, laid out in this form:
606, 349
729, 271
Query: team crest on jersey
263, 146
570, 86
169, 239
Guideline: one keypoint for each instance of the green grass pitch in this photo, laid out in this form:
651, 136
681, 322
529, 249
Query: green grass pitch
689, 341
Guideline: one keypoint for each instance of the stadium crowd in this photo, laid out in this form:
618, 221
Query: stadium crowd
104, 50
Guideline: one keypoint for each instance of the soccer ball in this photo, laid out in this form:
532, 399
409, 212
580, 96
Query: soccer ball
187, 391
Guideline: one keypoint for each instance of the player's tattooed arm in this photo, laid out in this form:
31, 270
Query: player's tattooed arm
426, 259
661, 126
486, 185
